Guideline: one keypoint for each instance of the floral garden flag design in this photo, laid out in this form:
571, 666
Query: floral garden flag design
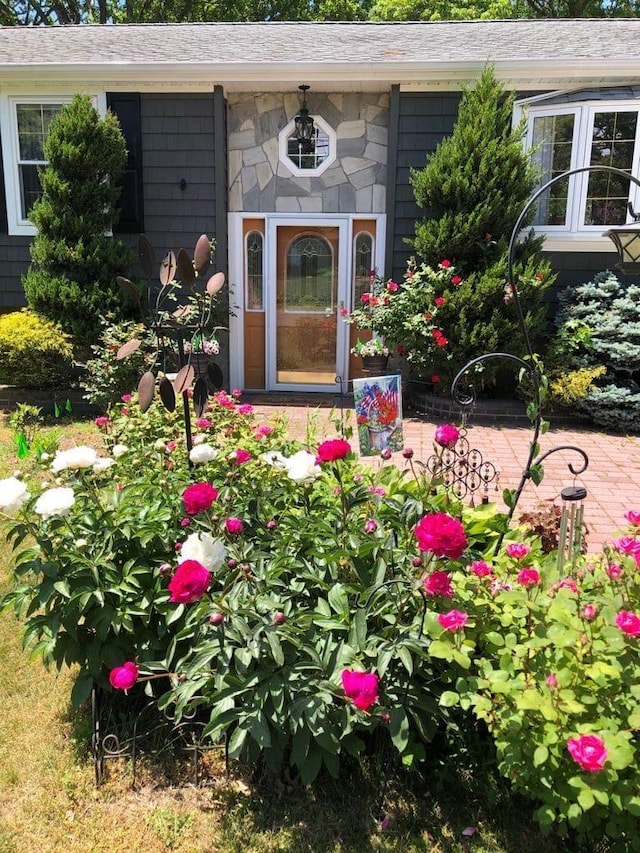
378, 403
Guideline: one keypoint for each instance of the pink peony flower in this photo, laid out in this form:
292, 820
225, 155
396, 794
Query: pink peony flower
203, 423
633, 517
361, 687
517, 550
171, 446
588, 751
453, 621
447, 435
263, 430
439, 584
370, 525
124, 677
614, 571
629, 623
528, 577
481, 569
456, 280
442, 535
242, 456
439, 301
335, 448
235, 526
101, 422
589, 612
245, 409
392, 286
126, 398
236, 392
189, 582
199, 497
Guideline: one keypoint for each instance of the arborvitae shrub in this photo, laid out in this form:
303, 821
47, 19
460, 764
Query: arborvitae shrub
75, 260
599, 326
34, 352
476, 182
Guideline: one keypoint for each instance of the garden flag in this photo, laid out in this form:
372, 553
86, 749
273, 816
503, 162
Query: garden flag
378, 402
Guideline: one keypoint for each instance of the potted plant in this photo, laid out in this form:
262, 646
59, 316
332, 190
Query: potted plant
374, 354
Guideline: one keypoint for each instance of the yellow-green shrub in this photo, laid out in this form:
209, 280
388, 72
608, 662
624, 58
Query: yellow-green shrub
34, 352
569, 389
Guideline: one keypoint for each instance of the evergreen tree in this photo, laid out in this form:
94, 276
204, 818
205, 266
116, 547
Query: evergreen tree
75, 260
475, 183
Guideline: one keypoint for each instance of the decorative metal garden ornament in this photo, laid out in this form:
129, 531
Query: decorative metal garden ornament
571, 534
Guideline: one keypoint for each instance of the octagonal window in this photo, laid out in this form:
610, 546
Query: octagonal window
310, 157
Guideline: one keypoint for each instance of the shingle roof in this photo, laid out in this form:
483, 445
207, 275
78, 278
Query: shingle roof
379, 47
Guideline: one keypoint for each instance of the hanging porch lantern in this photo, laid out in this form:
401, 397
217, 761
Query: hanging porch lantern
304, 130
571, 534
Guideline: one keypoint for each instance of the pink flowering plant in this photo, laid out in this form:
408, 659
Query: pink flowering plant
405, 315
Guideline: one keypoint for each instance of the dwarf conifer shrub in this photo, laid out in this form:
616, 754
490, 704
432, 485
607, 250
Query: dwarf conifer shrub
74, 259
599, 327
34, 352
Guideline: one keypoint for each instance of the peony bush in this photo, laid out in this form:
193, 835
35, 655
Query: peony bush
311, 606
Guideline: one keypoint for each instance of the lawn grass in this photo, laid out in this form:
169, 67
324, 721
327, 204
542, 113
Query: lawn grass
49, 802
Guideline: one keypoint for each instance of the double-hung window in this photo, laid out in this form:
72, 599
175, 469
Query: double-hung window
575, 135
24, 126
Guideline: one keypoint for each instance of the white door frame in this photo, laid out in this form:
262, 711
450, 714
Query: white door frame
236, 286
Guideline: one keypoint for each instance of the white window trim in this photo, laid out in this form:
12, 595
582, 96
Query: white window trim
575, 234
17, 225
283, 153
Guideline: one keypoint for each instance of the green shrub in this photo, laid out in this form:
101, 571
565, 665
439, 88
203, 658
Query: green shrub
599, 326
571, 388
34, 352
72, 279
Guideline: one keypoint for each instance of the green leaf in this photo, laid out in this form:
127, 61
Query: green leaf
405, 656
311, 766
82, 688
399, 728
260, 731
448, 699
540, 756
441, 649
276, 647
586, 799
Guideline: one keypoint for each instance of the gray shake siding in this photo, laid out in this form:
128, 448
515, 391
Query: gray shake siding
177, 144
423, 120
14, 260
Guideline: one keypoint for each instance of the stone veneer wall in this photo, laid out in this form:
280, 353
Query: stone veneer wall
354, 183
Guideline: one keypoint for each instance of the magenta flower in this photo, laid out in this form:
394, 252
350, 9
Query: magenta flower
370, 525
124, 677
614, 571
361, 687
101, 422
126, 398
242, 456
453, 621
589, 612
438, 584
588, 751
392, 286
568, 583
441, 535
627, 545
335, 448
481, 569
528, 577
447, 435
189, 582
552, 681
629, 623
235, 526
517, 550
199, 497
245, 409
445, 264
263, 430
633, 517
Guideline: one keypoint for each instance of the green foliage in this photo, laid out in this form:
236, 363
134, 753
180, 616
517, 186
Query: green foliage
598, 350
476, 182
34, 352
443, 10
75, 261
107, 377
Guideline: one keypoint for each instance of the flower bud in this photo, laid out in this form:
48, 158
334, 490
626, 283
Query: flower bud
164, 569
417, 562
386, 453
216, 618
278, 618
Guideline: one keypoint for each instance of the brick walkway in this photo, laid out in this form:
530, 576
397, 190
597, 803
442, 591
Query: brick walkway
612, 479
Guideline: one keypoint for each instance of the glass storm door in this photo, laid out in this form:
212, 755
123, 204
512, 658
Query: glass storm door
307, 342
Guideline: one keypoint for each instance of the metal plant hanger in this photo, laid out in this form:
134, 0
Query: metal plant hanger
181, 314
529, 367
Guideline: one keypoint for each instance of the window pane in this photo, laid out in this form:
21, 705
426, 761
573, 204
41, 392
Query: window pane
309, 285
33, 126
254, 296
309, 155
612, 144
30, 188
362, 266
552, 143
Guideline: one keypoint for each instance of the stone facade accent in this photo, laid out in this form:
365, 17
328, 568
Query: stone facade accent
355, 181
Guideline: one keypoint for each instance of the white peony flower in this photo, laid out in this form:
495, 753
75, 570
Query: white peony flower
202, 453
55, 502
275, 458
119, 450
202, 547
73, 459
103, 463
302, 468
13, 493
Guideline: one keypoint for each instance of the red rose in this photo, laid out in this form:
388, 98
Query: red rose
628, 623
440, 301
442, 535
124, 677
528, 578
445, 264
360, 687
189, 583
335, 448
198, 497
456, 280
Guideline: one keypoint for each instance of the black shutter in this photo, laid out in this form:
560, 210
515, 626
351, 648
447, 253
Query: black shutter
126, 106
4, 225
